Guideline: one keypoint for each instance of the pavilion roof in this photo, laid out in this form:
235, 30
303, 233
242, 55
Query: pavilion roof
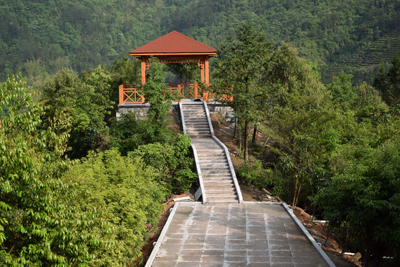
173, 43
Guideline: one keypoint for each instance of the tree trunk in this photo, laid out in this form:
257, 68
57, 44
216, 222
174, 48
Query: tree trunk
240, 136
254, 133
234, 131
246, 140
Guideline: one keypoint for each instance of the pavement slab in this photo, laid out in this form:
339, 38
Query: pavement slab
247, 234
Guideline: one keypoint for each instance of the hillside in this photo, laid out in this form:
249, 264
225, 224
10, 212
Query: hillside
40, 37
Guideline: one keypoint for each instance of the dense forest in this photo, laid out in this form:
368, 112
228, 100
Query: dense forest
38, 38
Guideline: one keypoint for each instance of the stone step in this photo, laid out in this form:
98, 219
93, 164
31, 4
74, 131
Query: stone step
222, 184
217, 176
197, 124
199, 128
211, 157
221, 190
209, 165
222, 179
215, 152
221, 194
186, 112
201, 122
195, 120
194, 116
213, 199
200, 136
199, 132
215, 168
202, 157
211, 161
188, 124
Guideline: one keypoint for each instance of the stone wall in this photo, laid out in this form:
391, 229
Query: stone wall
141, 110
226, 111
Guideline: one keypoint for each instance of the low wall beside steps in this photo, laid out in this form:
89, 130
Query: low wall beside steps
226, 111
141, 110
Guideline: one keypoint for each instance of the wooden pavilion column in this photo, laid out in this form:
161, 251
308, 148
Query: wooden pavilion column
143, 68
207, 71
202, 64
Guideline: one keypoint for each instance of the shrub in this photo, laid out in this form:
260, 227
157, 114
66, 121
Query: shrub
127, 197
173, 162
253, 173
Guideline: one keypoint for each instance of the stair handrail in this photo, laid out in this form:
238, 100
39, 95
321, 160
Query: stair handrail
208, 118
196, 159
182, 118
201, 182
228, 157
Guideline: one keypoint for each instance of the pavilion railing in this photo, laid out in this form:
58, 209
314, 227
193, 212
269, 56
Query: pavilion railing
212, 95
128, 95
185, 90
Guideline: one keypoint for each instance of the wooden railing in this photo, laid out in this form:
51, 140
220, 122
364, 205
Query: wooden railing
185, 90
130, 95
208, 95
133, 96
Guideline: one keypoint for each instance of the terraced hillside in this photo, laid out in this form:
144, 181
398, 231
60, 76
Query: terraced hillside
364, 63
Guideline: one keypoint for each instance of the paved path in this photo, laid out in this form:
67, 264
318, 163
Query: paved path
248, 234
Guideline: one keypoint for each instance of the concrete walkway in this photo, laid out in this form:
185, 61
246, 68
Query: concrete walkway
248, 234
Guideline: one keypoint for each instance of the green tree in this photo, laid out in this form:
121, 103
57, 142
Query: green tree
388, 83
185, 72
298, 122
157, 93
128, 133
364, 196
238, 65
341, 89
173, 162
38, 226
87, 100
128, 198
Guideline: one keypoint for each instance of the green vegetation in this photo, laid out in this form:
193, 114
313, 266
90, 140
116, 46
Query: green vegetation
127, 197
388, 83
39, 38
37, 225
331, 147
87, 99
99, 209
238, 65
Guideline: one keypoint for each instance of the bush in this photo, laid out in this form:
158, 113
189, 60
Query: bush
173, 162
253, 173
364, 195
38, 224
127, 197
128, 133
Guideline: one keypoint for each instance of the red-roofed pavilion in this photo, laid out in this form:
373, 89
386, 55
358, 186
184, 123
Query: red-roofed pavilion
173, 47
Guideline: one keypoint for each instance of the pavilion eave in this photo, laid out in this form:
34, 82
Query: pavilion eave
173, 54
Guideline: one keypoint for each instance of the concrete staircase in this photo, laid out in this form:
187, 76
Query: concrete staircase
216, 172
196, 122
